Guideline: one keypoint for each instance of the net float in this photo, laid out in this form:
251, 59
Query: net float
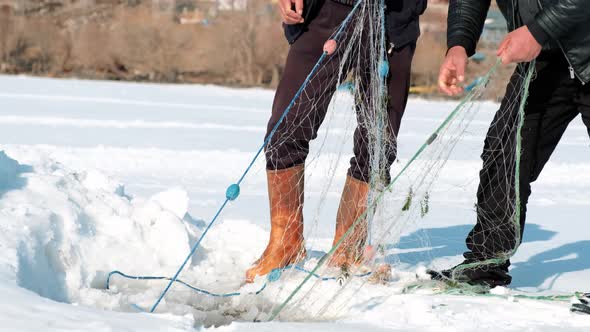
330, 46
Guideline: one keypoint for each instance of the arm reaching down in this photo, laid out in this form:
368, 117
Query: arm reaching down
465, 25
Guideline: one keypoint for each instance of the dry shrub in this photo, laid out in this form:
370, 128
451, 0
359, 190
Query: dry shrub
144, 42
239, 47
6, 31
258, 47
91, 48
32, 46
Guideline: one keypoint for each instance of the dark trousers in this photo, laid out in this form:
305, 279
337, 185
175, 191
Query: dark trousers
554, 101
290, 144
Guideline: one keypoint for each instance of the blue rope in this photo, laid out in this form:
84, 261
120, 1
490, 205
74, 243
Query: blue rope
233, 190
271, 277
192, 252
196, 289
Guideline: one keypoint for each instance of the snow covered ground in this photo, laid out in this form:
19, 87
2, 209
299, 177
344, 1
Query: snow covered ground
97, 176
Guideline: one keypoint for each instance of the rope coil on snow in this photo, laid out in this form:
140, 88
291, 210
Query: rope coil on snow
196, 289
273, 276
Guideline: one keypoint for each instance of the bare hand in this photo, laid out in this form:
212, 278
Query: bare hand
452, 71
289, 15
519, 46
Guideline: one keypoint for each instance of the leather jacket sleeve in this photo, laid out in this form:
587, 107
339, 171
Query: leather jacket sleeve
559, 19
465, 23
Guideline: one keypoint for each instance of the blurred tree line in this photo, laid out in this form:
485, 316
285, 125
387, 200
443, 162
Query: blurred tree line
228, 42
160, 41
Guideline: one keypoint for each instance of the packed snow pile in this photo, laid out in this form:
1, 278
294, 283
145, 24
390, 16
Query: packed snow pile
62, 231
65, 230
10, 173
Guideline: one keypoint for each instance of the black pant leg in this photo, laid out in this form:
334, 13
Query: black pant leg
289, 146
583, 102
549, 110
398, 86
493, 192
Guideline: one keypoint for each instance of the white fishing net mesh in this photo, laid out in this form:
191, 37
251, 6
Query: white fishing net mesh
348, 89
399, 201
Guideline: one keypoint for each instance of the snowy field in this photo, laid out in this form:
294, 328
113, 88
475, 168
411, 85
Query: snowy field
98, 176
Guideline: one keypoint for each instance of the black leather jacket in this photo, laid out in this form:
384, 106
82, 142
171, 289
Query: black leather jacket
563, 24
402, 20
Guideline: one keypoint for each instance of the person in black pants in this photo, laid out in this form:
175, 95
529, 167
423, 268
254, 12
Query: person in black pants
557, 35
308, 25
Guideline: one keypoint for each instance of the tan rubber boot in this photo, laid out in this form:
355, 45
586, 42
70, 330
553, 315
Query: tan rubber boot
352, 205
285, 246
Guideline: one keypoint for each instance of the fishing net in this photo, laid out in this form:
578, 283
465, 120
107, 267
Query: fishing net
399, 202
346, 93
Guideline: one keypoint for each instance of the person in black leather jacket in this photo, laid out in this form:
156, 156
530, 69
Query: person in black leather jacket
557, 34
308, 25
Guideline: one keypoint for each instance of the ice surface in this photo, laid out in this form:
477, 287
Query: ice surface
96, 176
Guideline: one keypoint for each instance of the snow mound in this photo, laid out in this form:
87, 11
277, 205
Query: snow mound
10, 171
63, 231
174, 200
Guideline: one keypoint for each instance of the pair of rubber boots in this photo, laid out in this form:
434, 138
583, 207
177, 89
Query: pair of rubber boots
285, 246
